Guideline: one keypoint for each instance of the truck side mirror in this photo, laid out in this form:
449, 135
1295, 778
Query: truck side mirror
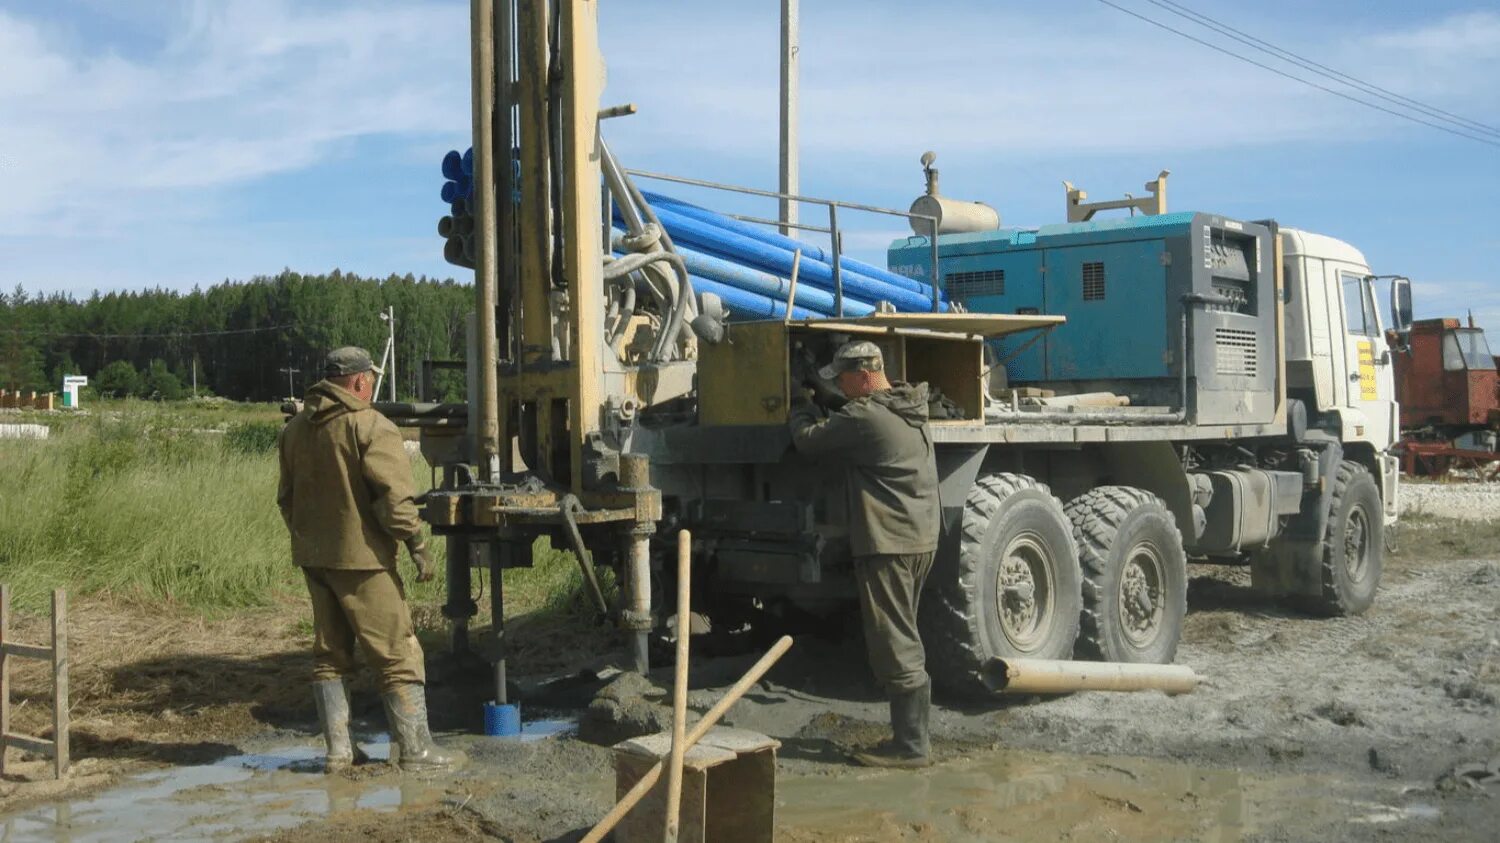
1401, 305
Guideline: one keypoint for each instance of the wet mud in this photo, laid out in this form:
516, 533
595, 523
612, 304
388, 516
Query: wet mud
1378, 727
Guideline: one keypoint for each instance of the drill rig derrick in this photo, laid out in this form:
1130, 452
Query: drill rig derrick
548, 390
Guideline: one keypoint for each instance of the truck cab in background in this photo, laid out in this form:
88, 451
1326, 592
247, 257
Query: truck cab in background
1447, 383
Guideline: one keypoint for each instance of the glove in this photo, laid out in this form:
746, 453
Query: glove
419, 557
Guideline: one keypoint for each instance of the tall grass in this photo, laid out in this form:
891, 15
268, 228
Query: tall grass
141, 504
177, 503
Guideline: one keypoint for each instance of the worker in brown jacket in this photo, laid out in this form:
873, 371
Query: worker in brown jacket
346, 494
882, 439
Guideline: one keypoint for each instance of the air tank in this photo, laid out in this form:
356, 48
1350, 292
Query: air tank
954, 216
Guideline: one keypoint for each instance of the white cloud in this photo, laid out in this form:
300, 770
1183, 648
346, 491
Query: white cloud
1060, 77
242, 90
120, 146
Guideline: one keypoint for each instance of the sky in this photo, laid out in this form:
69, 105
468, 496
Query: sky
168, 143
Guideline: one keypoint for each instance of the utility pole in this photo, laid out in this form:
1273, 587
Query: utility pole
195, 376
388, 357
790, 27
291, 389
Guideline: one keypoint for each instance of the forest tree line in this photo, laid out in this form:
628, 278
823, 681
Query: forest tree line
237, 337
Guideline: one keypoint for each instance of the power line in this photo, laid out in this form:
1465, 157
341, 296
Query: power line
1295, 78
176, 335
1323, 69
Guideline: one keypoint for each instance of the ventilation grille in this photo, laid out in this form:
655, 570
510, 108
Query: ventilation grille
1093, 281
1235, 352
967, 285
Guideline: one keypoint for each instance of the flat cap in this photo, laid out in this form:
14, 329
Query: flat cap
853, 356
349, 360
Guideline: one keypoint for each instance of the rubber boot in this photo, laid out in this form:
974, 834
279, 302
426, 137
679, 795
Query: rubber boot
406, 711
333, 716
910, 746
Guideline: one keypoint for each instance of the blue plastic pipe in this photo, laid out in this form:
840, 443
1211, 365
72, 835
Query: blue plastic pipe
738, 248
713, 268
744, 305
755, 232
453, 165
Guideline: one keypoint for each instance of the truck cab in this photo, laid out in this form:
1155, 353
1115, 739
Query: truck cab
1337, 363
1446, 379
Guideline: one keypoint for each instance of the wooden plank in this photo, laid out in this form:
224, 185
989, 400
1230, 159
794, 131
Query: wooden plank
28, 651
60, 682
12, 739
4, 674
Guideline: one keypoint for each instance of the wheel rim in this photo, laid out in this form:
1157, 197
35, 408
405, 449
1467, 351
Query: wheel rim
1142, 602
1357, 543
1023, 591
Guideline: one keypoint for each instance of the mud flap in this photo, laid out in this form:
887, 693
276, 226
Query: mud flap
957, 469
1292, 563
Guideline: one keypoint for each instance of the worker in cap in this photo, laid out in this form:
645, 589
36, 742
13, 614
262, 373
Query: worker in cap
882, 439
346, 495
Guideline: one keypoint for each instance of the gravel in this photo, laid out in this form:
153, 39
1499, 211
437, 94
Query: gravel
1474, 501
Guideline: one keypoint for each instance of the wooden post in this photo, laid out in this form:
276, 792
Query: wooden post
680, 687
4, 673
60, 758
57, 654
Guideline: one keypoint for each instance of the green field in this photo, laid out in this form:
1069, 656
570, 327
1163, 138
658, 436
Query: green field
147, 501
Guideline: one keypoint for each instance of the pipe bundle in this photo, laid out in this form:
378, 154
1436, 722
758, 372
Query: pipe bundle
746, 266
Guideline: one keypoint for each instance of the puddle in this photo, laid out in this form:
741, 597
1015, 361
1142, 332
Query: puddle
1028, 796
237, 795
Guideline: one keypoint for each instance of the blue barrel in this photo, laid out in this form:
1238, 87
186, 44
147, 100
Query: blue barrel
502, 720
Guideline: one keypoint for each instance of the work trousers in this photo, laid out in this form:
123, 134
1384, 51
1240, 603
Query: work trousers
368, 607
890, 585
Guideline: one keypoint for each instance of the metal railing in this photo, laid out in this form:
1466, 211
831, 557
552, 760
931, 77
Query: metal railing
835, 235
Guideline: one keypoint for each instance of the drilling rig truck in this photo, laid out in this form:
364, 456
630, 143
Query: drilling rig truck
1114, 397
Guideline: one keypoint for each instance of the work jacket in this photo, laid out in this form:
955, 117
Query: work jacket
886, 447
346, 483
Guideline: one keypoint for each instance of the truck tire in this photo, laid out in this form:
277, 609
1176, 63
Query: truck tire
1010, 589
1353, 544
1134, 576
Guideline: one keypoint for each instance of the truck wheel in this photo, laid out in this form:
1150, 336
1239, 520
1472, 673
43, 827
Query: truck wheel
1011, 589
1353, 544
1134, 576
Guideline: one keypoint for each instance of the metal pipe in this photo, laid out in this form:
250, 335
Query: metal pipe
937, 304
486, 274
790, 55
502, 153
838, 270
498, 556
640, 598
568, 506
710, 719
1048, 676
800, 226
419, 410
791, 293
680, 685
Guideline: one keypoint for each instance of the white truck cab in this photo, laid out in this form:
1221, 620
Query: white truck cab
1336, 355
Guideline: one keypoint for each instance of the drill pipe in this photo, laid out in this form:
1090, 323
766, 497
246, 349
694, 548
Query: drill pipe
1049, 676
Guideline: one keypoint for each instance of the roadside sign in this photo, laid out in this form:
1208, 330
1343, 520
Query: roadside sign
71, 385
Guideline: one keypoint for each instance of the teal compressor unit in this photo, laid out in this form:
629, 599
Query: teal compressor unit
1143, 297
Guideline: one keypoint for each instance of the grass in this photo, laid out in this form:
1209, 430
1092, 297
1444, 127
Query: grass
1427, 537
175, 503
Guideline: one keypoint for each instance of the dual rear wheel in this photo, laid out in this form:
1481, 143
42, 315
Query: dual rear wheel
1104, 577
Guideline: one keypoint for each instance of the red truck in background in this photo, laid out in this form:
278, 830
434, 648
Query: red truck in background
1448, 388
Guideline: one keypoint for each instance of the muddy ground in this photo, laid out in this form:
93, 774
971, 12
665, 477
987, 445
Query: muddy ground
1345, 729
